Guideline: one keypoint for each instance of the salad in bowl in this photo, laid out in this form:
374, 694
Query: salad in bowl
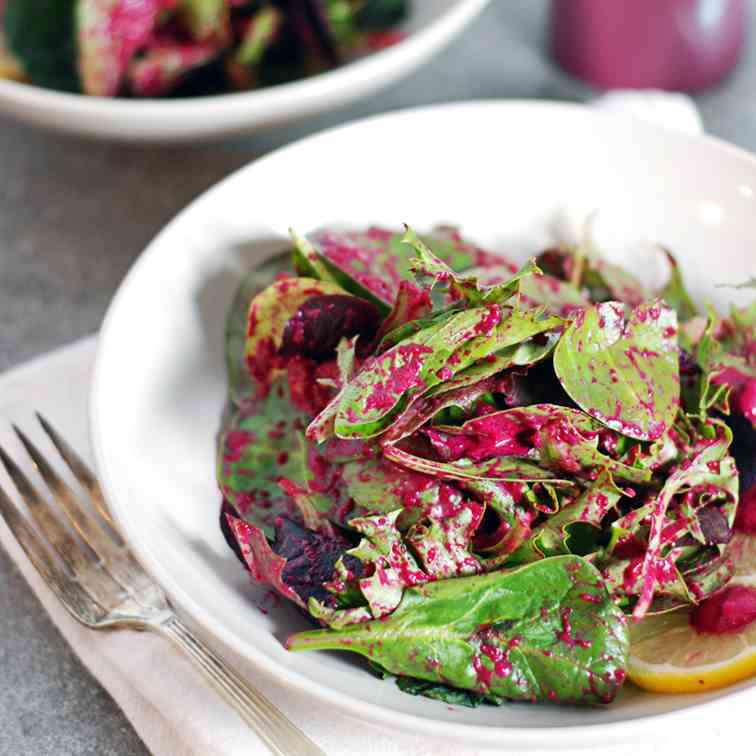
495, 483
179, 48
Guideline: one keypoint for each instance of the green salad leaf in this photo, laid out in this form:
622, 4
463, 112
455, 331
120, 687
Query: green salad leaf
543, 632
471, 474
42, 36
258, 447
622, 369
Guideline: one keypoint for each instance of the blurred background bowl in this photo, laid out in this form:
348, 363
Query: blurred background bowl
430, 26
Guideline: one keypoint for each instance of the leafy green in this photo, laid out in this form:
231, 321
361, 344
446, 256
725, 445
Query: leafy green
558, 297
623, 370
465, 287
607, 281
42, 36
257, 448
110, 33
576, 527
514, 457
264, 564
379, 14
674, 292
240, 384
712, 474
383, 386
374, 263
377, 485
560, 439
498, 468
205, 19
441, 692
545, 631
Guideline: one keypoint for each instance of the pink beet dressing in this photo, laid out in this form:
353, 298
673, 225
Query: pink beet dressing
402, 374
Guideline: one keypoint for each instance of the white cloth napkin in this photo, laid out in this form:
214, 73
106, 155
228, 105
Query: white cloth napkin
170, 707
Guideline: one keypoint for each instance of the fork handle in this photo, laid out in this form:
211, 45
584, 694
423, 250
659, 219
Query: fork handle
281, 735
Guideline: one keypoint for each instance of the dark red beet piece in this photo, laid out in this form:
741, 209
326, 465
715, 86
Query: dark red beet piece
320, 323
688, 365
714, 525
745, 519
728, 611
310, 559
743, 449
555, 262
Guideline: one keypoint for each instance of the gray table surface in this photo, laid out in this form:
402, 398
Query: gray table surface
73, 217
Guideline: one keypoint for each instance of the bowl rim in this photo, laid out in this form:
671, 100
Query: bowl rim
524, 737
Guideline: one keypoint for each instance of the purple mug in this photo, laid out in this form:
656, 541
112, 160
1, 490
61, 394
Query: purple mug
684, 45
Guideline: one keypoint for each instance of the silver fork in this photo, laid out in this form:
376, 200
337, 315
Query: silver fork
102, 586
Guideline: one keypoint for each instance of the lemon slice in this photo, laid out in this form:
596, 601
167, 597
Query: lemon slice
668, 655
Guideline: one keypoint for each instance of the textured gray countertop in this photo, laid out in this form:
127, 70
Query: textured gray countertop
73, 217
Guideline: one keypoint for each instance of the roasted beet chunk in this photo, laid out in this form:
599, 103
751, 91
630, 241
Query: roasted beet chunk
320, 323
310, 559
714, 525
555, 262
743, 449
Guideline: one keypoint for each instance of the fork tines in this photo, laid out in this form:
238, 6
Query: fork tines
87, 565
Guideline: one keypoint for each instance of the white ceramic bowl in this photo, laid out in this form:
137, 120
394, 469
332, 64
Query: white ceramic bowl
508, 173
432, 24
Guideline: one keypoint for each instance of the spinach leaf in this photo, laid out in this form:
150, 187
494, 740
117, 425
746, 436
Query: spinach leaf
674, 292
42, 36
463, 397
497, 468
378, 485
622, 370
240, 385
558, 297
561, 439
577, 525
372, 264
545, 631
466, 287
258, 447
384, 384
711, 468
445, 693
374, 15
607, 281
